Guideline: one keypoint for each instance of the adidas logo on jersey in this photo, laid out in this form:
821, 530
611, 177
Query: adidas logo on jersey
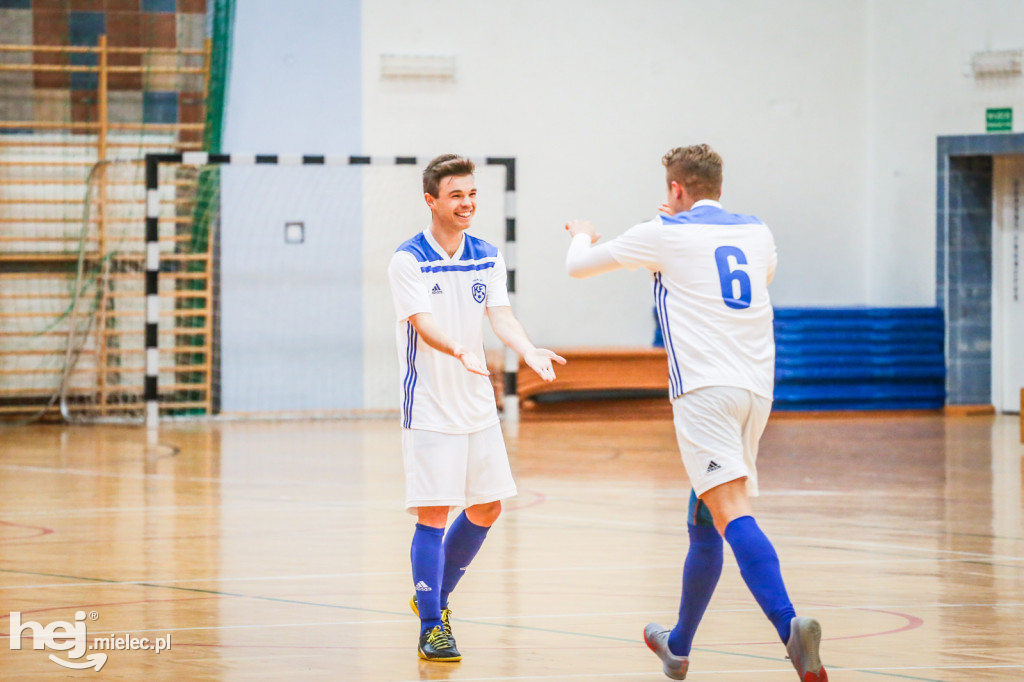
436, 289
423, 587
713, 466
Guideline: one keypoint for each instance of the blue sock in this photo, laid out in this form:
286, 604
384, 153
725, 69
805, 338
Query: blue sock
701, 571
759, 566
427, 567
460, 546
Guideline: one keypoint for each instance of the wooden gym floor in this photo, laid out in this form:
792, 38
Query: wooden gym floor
279, 551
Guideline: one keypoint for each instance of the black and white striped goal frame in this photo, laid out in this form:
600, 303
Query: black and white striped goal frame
151, 391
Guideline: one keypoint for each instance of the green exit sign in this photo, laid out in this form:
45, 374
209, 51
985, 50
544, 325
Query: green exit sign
999, 120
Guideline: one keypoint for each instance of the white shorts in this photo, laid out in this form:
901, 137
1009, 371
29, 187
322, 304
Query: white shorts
718, 429
455, 469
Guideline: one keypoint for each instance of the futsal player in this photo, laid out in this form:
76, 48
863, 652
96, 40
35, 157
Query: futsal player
711, 274
444, 282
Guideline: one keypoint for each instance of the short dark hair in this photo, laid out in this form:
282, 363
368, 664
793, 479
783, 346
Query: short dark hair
442, 167
698, 168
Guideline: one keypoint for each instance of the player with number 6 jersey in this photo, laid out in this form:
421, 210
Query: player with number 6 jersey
703, 258
711, 270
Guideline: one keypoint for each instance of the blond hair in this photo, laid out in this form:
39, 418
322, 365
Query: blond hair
698, 168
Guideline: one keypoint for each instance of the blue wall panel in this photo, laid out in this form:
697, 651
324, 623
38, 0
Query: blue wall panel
291, 314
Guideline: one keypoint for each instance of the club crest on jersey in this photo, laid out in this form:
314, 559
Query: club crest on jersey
479, 292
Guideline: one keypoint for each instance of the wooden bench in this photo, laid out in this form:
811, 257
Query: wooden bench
609, 373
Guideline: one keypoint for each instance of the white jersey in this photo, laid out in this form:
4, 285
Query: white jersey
711, 272
437, 392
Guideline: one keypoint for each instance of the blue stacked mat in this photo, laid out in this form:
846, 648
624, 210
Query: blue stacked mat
859, 359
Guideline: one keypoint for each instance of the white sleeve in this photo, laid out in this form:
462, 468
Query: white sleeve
584, 260
407, 288
497, 287
639, 246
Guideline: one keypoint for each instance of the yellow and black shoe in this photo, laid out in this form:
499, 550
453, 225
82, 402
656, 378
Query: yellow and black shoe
436, 645
446, 617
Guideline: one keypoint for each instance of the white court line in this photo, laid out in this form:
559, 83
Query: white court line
370, 574
133, 631
708, 673
355, 574
242, 503
800, 538
174, 477
315, 576
906, 548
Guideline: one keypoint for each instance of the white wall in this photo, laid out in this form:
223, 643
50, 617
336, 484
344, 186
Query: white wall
920, 55
588, 96
826, 114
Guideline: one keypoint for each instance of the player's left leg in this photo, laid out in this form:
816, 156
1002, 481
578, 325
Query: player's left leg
758, 561
488, 481
761, 571
754, 552
462, 542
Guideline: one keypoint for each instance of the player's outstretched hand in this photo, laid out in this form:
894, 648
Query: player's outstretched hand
540, 360
666, 209
473, 364
576, 227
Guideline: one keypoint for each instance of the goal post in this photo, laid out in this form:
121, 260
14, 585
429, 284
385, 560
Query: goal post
156, 265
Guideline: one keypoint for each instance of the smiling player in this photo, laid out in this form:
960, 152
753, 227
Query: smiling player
444, 282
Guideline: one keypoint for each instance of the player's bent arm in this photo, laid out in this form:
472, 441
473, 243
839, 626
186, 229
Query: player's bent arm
434, 336
584, 260
511, 332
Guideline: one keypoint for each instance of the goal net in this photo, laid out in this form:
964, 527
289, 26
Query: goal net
253, 286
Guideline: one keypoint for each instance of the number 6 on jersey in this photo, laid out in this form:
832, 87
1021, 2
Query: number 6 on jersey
730, 275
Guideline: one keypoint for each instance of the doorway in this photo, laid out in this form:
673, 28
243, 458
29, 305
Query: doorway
978, 284
1007, 284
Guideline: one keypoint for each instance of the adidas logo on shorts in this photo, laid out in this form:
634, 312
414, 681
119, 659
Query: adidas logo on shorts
423, 587
436, 289
713, 466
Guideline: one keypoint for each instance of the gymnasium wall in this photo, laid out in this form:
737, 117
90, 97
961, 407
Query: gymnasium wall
589, 95
920, 88
826, 114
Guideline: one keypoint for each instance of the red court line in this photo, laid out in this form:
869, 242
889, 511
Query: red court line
42, 531
539, 498
913, 622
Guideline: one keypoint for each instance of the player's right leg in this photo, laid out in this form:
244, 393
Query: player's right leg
427, 557
435, 474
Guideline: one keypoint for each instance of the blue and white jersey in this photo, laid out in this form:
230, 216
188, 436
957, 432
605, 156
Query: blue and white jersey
438, 394
711, 273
